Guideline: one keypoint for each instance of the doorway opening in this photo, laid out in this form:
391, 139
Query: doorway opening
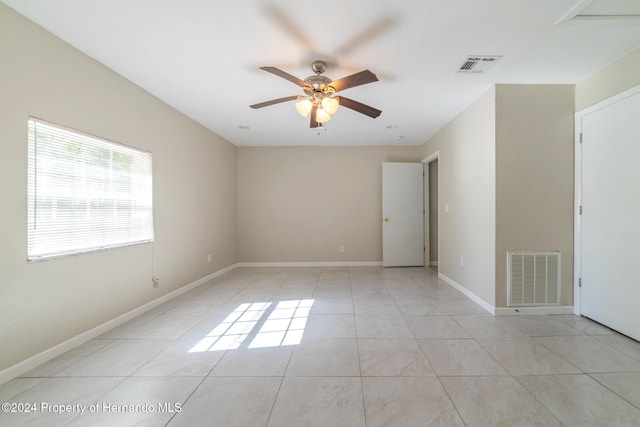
431, 220
433, 214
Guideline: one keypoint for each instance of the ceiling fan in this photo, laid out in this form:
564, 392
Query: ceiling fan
319, 101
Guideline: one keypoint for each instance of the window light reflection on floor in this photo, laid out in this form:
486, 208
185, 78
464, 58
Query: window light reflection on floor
233, 330
284, 326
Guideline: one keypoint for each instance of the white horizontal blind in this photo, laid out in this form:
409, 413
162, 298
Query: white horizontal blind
85, 193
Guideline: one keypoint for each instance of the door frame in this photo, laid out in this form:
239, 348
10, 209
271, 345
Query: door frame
577, 195
427, 243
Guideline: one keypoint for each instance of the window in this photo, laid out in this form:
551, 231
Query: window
84, 193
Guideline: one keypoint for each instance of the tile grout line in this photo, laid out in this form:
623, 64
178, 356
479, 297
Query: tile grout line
590, 375
364, 408
275, 397
284, 374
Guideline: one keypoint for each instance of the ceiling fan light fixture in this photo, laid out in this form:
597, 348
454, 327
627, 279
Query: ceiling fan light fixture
303, 107
322, 116
330, 105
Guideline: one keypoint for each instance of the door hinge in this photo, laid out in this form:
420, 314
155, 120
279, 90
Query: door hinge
424, 249
580, 137
579, 282
580, 210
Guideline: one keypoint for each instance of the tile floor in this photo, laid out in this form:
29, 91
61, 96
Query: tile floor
336, 347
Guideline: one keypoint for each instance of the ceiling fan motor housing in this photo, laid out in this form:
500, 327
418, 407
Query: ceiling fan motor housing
318, 67
318, 84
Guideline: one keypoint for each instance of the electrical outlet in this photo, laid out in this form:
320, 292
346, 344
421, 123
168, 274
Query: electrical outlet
461, 262
209, 258
342, 249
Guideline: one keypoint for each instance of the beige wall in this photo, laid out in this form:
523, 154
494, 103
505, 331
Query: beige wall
300, 204
44, 303
534, 177
617, 77
466, 166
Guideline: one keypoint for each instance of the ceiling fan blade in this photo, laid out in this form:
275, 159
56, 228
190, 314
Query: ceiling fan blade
357, 79
366, 36
359, 107
276, 101
278, 72
314, 123
288, 25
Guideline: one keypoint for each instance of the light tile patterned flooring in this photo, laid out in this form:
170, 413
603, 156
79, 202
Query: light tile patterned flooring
380, 347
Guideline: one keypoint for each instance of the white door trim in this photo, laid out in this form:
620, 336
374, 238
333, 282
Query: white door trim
426, 217
577, 221
433, 156
427, 242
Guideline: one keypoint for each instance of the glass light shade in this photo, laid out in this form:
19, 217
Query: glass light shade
330, 105
303, 107
322, 116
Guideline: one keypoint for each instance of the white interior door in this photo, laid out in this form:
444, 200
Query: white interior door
402, 213
610, 231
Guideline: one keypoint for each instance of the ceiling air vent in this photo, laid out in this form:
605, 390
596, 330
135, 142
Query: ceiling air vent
477, 64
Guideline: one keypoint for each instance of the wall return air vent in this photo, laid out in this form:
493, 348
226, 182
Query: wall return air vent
533, 278
477, 64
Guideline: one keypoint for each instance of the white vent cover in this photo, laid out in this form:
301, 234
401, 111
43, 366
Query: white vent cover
477, 64
533, 278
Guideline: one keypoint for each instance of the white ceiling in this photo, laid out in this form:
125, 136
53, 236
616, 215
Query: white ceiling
202, 56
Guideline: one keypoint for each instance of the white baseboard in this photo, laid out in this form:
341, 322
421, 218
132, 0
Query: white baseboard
516, 311
508, 311
311, 264
473, 297
20, 368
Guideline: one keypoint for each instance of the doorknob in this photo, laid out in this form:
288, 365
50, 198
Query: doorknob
386, 219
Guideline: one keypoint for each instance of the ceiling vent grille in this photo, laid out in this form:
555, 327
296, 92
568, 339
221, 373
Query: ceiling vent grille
477, 64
